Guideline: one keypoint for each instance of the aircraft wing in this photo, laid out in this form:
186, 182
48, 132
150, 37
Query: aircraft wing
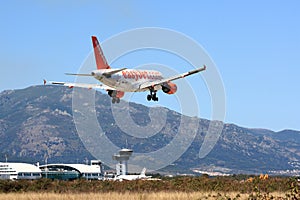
83, 85
172, 78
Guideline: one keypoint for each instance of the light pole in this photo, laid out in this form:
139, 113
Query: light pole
46, 168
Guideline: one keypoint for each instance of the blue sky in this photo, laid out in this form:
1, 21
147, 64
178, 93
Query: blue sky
255, 45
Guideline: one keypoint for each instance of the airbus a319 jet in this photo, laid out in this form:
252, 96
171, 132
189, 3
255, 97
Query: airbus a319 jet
118, 81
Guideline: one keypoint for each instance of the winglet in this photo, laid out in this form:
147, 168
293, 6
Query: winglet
99, 56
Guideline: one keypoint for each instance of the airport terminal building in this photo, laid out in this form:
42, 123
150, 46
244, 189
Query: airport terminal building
59, 171
15, 171
62, 171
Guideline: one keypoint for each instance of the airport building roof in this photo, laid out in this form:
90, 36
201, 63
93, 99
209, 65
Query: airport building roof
19, 167
82, 168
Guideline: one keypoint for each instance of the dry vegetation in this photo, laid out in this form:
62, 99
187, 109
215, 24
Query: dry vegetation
136, 196
235, 187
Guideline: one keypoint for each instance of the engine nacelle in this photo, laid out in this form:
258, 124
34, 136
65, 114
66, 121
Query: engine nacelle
169, 88
115, 93
120, 94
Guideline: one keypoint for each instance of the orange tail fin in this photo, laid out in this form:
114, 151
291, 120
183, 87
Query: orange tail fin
99, 56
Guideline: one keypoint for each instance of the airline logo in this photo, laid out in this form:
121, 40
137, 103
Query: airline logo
141, 75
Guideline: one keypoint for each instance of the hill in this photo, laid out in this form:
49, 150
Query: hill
37, 123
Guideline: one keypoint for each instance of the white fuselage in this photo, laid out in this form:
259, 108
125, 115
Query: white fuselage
132, 177
127, 80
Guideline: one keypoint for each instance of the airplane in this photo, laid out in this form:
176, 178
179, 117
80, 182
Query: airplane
118, 81
142, 175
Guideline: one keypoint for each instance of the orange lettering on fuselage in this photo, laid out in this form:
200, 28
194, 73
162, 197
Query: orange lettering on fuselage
140, 75
124, 73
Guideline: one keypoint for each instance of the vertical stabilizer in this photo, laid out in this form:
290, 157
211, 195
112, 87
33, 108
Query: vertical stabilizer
143, 173
99, 56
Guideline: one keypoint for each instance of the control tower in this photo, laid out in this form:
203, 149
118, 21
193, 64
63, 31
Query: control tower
122, 158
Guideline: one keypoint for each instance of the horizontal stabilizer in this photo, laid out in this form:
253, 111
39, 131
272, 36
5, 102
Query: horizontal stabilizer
78, 74
83, 85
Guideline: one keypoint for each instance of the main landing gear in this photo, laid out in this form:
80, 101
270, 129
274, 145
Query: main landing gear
152, 96
114, 98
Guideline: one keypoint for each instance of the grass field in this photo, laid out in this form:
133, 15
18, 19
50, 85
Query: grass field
234, 188
136, 196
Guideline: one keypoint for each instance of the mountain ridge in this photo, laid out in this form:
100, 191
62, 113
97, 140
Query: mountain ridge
37, 123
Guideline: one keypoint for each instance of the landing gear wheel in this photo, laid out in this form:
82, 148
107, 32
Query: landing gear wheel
152, 96
115, 100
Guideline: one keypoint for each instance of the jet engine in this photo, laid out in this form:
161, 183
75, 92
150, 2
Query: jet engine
169, 88
116, 93
120, 94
